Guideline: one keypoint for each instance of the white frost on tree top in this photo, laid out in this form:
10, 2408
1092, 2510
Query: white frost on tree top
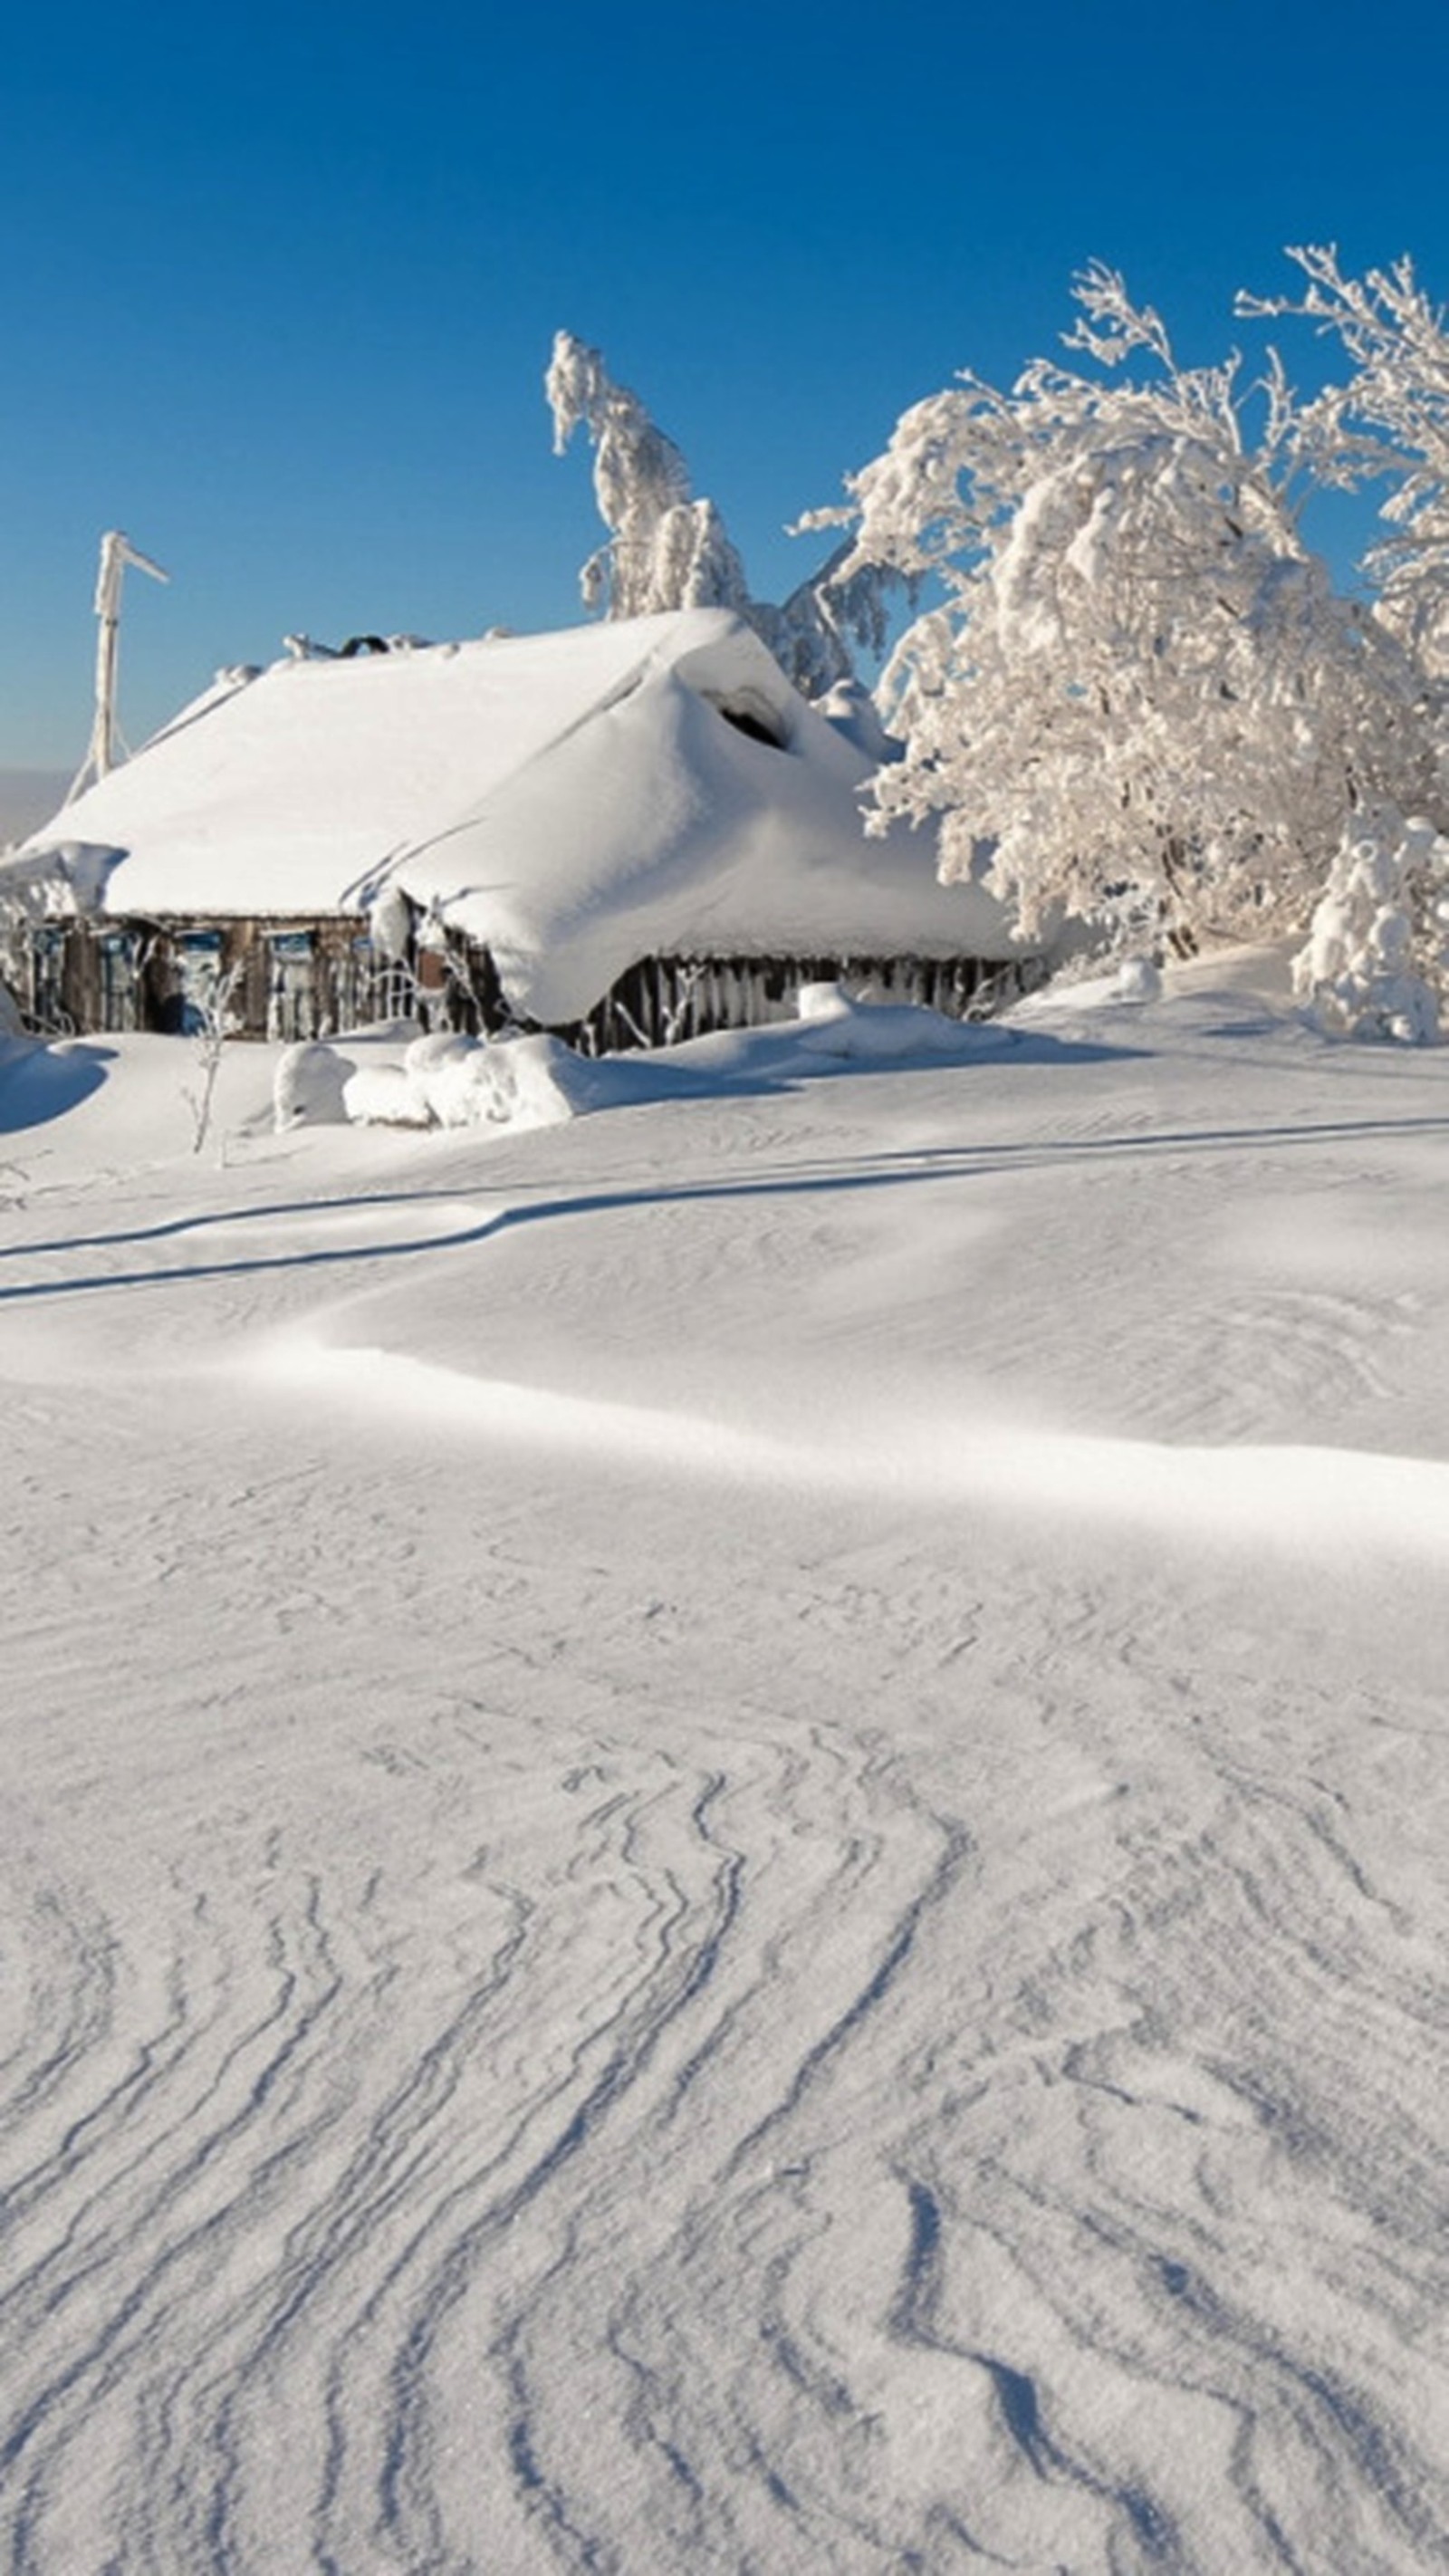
666, 550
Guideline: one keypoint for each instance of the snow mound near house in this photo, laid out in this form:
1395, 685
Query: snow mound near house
440, 1081
837, 1023
453, 1081
530, 1082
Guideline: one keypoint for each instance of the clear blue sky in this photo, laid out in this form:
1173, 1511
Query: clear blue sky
282, 280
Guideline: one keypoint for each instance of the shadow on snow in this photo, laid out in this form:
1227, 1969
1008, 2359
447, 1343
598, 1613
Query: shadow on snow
908, 1169
38, 1083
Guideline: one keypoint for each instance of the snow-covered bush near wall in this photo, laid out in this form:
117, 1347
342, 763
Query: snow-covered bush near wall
385, 1095
523, 1082
450, 1081
834, 1023
308, 1088
1376, 965
426, 1056
504, 1085
1139, 979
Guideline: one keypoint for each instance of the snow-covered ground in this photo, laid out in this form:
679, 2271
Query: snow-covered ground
726, 1824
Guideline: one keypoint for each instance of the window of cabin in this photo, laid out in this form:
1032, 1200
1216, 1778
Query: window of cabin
291, 985
118, 961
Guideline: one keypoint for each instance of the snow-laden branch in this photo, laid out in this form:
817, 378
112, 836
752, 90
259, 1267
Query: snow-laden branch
1388, 423
666, 550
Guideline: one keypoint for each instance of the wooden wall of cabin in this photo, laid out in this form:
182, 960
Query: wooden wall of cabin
667, 999
310, 979
299, 979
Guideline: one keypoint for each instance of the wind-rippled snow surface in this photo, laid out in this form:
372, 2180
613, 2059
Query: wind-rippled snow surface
725, 1830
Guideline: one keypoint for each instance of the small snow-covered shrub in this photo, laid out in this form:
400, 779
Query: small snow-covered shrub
450, 1073
522, 1082
430, 1061
1376, 965
441, 1046
472, 1090
385, 1095
834, 1023
308, 1087
450, 1081
217, 1021
1138, 980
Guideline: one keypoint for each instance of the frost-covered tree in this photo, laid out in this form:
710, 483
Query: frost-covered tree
664, 550
667, 550
1139, 696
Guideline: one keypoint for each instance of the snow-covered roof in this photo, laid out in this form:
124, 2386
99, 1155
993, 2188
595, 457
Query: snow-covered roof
577, 801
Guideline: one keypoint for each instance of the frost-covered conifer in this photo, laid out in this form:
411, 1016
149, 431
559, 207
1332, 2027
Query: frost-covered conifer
666, 550
1377, 960
1139, 694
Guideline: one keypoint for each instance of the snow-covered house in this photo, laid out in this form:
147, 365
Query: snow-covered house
633, 830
